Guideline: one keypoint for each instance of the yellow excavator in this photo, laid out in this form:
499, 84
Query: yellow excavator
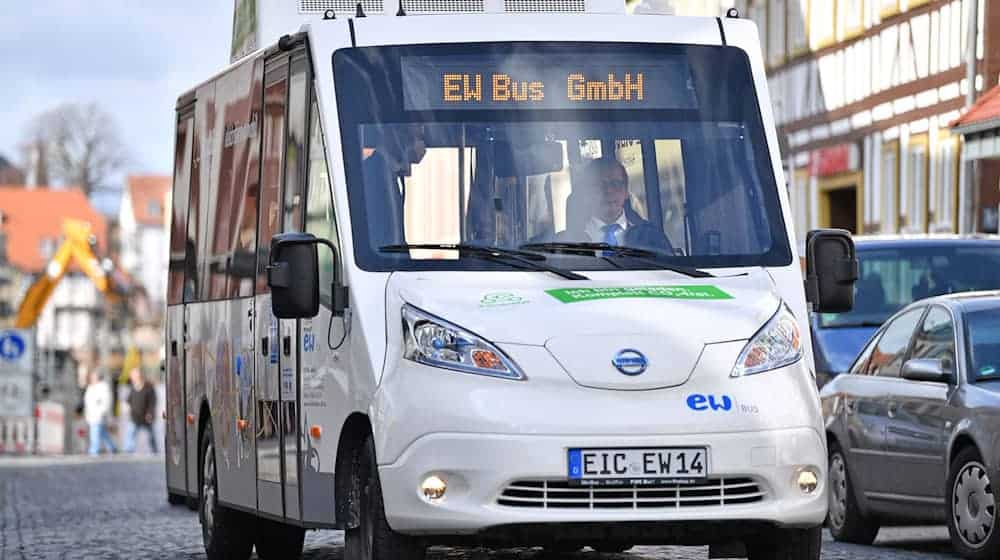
75, 247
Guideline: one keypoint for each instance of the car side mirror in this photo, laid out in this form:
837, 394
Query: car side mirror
831, 270
293, 276
926, 369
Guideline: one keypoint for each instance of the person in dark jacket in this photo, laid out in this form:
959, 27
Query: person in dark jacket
142, 406
600, 212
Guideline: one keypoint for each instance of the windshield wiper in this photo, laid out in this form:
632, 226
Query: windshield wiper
603, 249
531, 261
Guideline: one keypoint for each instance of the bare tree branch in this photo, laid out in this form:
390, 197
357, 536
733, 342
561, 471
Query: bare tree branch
78, 144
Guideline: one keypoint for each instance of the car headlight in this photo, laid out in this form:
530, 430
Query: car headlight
777, 344
435, 342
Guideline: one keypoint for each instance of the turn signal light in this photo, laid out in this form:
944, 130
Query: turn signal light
316, 431
242, 424
190, 418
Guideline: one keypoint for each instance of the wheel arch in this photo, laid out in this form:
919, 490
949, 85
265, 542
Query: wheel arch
357, 428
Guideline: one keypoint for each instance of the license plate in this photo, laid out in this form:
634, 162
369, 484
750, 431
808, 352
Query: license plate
638, 464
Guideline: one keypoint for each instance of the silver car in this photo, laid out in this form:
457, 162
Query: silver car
914, 429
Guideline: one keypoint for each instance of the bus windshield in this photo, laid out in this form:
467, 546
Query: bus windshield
528, 146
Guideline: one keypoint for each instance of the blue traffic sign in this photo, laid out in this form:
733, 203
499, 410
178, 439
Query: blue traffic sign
11, 346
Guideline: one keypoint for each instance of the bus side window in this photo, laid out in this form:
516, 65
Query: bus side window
320, 218
273, 162
295, 148
176, 281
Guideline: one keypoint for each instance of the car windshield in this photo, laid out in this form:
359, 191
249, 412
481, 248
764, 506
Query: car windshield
506, 145
891, 278
982, 335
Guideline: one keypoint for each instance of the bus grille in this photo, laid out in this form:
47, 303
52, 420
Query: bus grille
442, 6
545, 6
549, 494
348, 7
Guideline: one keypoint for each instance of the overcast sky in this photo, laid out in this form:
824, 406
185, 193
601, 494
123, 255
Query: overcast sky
133, 57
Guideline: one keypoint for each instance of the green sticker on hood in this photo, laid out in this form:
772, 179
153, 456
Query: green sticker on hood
574, 295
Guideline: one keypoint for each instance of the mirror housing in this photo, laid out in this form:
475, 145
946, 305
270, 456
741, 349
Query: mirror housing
293, 276
831, 270
926, 369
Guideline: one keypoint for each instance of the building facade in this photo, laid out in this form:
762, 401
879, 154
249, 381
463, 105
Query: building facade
864, 93
143, 236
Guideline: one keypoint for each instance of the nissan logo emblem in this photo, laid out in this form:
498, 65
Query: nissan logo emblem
630, 362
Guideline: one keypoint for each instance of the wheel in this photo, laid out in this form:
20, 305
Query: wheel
276, 541
611, 548
787, 544
845, 519
228, 534
373, 539
176, 499
972, 508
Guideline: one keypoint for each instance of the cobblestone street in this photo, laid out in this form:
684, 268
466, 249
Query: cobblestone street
94, 509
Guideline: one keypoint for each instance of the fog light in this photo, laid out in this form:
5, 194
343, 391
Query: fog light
808, 481
433, 488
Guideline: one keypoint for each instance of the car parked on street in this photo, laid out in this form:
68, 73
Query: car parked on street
894, 272
912, 428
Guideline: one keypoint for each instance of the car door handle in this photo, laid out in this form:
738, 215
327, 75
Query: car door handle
173, 348
263, 346
893, 407
286, 344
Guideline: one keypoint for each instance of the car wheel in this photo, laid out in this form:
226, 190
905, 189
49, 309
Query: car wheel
611, 548
373, 539
972, 508
787, 544
228, 534
278, 541
846, 522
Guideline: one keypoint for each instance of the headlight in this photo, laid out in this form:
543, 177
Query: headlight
776, 345
435, 342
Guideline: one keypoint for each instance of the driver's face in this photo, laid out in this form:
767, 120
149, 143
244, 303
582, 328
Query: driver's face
611, 193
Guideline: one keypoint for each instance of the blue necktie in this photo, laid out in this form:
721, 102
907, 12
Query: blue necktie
609, 233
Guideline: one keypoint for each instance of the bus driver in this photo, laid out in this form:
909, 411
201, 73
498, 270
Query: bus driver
600, 212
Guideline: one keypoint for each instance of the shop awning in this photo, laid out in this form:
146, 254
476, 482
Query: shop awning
980, 125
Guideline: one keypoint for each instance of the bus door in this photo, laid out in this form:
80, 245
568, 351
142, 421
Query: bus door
175, 452
270, 497
293, 217
282, 206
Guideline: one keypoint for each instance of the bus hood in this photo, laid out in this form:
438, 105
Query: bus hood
587, 325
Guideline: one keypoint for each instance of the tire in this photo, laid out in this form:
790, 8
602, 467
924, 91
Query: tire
611, 548
176, 499
971, 507
787, 544
278, 541
373, 539
845, 520
228, 534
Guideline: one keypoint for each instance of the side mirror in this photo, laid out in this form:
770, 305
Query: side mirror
831, 270
925, 369
293, 275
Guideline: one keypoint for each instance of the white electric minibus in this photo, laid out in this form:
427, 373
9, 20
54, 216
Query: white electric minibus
492, 273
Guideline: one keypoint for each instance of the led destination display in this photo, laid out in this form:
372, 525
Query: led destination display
537, 81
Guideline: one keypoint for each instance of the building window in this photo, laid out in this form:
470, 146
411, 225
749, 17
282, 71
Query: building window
890, 185
913, 203
153, 208
798, 37
850, 18
888, 8
822, 23
776, 32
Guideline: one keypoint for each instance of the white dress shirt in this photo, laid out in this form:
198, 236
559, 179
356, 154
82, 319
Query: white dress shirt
595, 229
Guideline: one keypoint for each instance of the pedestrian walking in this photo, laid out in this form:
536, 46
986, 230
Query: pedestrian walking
97, 411
142, 405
